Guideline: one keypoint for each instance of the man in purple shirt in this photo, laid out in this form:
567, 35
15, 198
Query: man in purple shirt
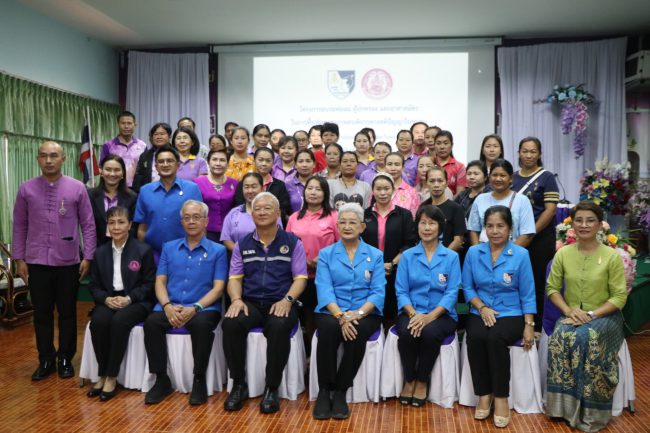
125, 145
48, 213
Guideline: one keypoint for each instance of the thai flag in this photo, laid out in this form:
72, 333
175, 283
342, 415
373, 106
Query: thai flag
87, 156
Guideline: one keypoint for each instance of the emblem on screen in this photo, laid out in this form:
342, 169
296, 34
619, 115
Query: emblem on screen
340, 83
377, 83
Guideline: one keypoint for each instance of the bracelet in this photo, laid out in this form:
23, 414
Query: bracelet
199, 307
482, 306
412, 315
338, 315
235, 299
168, 303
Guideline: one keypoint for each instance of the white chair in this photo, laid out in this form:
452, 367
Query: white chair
133, 366
180, 363
366, 384
293, 376
525, 385
445, 376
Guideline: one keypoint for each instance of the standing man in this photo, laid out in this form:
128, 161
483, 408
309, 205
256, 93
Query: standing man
159, 204
268, 272
419, 146
48, 213
125, 145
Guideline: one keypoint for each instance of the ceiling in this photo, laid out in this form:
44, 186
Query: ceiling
172, 23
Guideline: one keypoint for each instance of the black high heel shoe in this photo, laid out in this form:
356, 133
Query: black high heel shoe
94, 392
404, 400
105, 396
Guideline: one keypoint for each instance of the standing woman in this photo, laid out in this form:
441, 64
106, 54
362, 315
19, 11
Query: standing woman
390, 229
315, 225
350, 282
240, 161
523, 220
121, 283
159, 135
333, 155
362, 148
427, 285
445, 158
491, 150
348, 189
583, 349
217, 142
112, 191
425, 163
285, 166
261, 138
296, 183
498, 283
539, 186
430, 139
455, 228
276, 136
378, 165
476, 185
218, 191
188, 146
302, 138
405, 195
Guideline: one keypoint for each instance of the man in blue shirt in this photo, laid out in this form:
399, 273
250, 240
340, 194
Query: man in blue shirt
190, 280
159, 203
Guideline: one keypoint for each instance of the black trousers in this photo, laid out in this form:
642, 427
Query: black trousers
51, 286
419, 354
277, 331
390, 301
541, 251
329, 338
201, 329
488, 353
110, 330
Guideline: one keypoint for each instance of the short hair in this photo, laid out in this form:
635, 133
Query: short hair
163, 125
480, 164
186, 118
355, 208
440, 169
308, 152
125, 114
404, 131
118, 211
588, 205
259, 127
212, 152
286, 140
315, 128
325, 186
447, 134
383, 143
418, 123
121, 186
167, 148
278, 130
349, 152
301, 131
432, 212
382, 176
503, 211
337, 146
203, 206
266, 195
538, 144
196, 145
504, 164
330, 127
485, 139
241, 128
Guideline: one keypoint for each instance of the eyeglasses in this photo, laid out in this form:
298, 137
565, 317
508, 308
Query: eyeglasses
193, 218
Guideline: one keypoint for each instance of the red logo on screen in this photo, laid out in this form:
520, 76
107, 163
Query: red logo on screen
377, 83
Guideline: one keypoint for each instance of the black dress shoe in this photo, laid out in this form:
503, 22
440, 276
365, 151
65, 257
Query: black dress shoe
161, 389
105, 396
238, 395
66, 369
94, 392
199, 393
323, 407
44, 369
271, 401
418, 402
340, 409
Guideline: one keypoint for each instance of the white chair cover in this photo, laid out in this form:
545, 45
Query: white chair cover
367, 383
525, 385
445, 376
293, 376
180, 364
133, 366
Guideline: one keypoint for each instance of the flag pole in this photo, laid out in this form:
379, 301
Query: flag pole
92, 150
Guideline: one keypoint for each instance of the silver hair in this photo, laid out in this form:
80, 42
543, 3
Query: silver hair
266, 195
355, 208
203, 206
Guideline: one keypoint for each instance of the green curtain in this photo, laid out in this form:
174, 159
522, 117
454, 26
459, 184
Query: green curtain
31, 113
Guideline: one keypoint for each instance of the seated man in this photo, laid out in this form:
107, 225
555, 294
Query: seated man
268, 272
190, 280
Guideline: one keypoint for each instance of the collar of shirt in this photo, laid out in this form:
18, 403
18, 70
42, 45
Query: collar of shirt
256, 236
450, 161
203, 243
117, 141
175, 184
268, 180
392, 208
117, 249
189, 158
314, 215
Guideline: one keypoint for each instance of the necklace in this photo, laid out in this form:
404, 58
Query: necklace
218, 187
354, 180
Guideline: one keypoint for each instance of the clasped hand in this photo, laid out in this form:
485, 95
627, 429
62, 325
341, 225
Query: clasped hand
116, 302
488, 315
418, 322
348, 321
576, 317
178, 315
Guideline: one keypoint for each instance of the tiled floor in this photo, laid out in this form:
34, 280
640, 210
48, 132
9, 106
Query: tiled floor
56, 405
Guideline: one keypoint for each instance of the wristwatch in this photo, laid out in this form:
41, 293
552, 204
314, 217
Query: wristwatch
290, 298
591, 314
361, 313
531, 323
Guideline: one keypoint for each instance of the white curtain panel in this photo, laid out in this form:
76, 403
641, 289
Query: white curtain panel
166, 87
528, 74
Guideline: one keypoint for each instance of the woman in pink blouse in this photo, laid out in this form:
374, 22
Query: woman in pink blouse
405, 195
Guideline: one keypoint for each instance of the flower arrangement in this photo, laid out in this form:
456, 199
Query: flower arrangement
609, 186
574, 116
639, 206
565, 235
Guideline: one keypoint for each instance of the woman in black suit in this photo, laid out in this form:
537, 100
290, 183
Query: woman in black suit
389, 228
122, 298
159, 135
112, 191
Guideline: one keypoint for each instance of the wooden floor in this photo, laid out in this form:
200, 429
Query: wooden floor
56, 405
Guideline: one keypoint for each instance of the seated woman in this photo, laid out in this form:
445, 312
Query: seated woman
123, 295
350, 282
427, 284
582, 351
498, 283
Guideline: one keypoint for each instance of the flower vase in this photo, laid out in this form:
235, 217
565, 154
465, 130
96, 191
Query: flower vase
617, 223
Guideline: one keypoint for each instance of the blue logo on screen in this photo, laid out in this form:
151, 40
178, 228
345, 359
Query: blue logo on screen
340, 83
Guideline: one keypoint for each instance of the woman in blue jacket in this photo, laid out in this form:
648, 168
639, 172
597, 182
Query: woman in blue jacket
350, 282
498, 283
427, 284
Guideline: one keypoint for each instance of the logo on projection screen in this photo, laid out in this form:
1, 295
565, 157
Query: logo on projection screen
340, 83
377, 83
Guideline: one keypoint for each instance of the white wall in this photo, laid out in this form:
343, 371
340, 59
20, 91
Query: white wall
40, 49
